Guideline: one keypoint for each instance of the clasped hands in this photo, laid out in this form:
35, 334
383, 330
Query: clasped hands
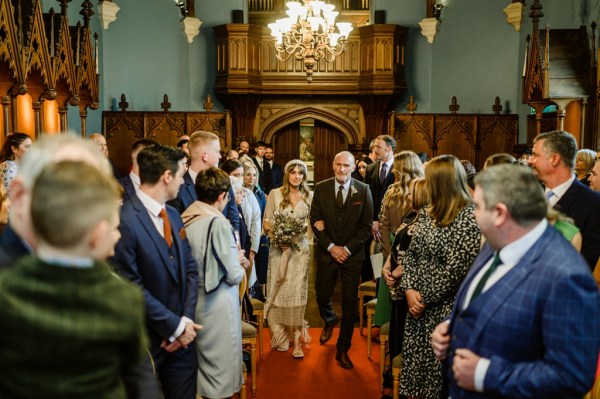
187, 337
391, 277
464, 362
338, 253
415, 303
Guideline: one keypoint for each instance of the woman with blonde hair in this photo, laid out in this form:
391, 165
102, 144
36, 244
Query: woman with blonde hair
394, 207
286, 221
584, 163
445, 242
393, 270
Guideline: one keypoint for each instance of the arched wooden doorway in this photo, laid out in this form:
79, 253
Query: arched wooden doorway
327, 141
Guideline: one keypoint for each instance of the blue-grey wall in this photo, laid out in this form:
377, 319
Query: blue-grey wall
476, 55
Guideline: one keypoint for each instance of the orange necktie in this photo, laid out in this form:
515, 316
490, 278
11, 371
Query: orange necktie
166, 228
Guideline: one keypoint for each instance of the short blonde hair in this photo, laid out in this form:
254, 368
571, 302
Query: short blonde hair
588, 157
201, 137
69, 199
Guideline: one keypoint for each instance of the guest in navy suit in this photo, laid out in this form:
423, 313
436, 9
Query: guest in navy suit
276, 169
18, 239
131, 182
553, 160
154, 253
205, 153
378, 177
526, 320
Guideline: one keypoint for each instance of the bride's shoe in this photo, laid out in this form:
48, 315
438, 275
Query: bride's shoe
283, 347
298, 353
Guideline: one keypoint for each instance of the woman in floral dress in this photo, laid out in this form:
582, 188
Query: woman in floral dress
287, 278
445, 241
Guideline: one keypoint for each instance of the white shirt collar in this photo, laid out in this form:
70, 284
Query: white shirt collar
513, 252
135, 179
560, 190
150, 203
345, 185
193, 175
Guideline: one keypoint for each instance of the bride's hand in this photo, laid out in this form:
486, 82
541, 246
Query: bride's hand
283, 247
319, 225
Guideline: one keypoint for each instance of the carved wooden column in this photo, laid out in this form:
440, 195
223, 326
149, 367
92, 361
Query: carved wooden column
83, 117
37, 107
5, 112
62, 116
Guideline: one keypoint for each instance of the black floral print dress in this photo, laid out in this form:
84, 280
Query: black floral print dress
435, 265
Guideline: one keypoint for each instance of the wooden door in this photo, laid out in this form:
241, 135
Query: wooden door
286, 144
328, 142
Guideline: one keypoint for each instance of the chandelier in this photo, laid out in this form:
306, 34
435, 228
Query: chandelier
308, 33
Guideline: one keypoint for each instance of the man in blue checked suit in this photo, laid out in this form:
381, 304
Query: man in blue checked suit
154, 253
526, 320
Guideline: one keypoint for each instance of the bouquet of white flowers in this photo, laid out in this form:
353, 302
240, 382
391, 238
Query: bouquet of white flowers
287, 230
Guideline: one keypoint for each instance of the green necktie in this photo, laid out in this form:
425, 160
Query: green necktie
497, 262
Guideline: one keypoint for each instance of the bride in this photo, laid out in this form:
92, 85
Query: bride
287, 278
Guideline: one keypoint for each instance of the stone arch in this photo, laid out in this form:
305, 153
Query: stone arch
348, 127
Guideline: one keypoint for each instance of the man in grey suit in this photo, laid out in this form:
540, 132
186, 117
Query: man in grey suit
342, 214
526, 320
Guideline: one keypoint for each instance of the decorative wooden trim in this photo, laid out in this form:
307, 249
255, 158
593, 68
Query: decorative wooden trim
122, 128
468, 136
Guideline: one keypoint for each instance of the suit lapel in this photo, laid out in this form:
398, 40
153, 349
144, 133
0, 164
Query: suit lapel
158, 241
498, 294
566, 201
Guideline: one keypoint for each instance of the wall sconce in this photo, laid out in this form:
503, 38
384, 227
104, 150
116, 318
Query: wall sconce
182, 8
430, 26
514, 14
107, 12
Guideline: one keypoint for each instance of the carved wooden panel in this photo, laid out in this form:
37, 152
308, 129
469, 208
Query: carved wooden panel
470, 136
123, 128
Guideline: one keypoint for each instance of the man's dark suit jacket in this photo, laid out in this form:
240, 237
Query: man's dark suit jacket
377, 189
357, 224
11, 248
187, 195
539, 324
265, 181
128, 187
583, 205
142, 255
277, 172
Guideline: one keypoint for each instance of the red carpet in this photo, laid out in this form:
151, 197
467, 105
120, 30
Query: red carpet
318, 375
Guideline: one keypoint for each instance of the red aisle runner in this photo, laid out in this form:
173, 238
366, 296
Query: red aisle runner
318, 375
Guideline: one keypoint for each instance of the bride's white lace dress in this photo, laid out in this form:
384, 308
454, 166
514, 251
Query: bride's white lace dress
286, 299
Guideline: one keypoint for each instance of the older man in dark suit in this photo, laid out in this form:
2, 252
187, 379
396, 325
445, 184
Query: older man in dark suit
154, 253
526, 320
553, 160
342, 213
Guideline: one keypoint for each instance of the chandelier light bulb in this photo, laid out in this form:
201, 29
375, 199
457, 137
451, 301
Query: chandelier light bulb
309, 34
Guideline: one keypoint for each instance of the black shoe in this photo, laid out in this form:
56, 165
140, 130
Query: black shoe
328, 331
344, 360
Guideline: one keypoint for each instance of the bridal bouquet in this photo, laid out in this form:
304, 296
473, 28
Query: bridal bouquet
287, 230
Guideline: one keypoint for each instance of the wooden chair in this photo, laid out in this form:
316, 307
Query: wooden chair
396, 365
365, 289
249, 336
384, 335
370, 313
258, 310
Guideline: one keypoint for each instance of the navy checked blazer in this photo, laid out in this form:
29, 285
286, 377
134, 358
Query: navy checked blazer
539, 324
